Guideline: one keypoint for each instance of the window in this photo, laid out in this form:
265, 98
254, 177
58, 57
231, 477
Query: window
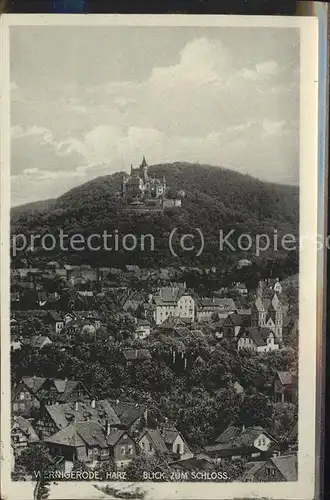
130, 450
21, 396
263, 441
27, 395
15, 406
268, 471
22, 406
142, 445
122, 450
150, 447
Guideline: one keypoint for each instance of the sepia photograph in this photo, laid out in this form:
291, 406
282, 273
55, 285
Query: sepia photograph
159, 279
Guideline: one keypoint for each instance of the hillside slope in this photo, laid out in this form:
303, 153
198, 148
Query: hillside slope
216, 199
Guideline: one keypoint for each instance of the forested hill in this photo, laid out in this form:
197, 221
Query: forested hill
215, 199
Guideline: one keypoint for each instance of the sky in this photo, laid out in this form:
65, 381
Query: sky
89, 101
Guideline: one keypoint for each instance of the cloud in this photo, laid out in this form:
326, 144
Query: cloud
203, 106
34, 148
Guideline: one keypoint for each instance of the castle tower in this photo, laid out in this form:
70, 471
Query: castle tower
131, 169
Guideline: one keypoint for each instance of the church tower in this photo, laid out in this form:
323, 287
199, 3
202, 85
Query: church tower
144, 168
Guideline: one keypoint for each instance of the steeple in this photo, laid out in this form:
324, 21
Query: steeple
131, 169
144, 163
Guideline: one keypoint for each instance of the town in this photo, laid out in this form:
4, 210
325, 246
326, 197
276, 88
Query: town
142, 370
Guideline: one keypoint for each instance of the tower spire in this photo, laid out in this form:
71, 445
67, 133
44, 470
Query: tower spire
144, 163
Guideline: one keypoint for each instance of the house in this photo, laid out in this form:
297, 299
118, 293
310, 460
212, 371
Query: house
16, 343
243, 443
132, 300
164, 441
55, 320
276, 469
173, 323
33, 392
38, 341
268, 313
207, 308
88, 317
122, 448
22, 433
42, 299
285, 387
257, 339
136, 355
24, 395
82, 275
243, 263
143, 328
133, 270
90, 442
173, 301
232, 326
240, 288
55, 417
132, 416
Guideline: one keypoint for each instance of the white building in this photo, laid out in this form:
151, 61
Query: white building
258, 339
173, 302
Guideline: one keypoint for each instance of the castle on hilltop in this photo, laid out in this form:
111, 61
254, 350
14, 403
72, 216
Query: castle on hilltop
140, 185
147, 192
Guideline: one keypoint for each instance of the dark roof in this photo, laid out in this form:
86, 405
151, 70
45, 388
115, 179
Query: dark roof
26, 427
251, 468
193, 464
143, 322
228, 434
258, 334
127, 413
87, 315
37, 341
55, 316
34, 383
287, 465
287, 378
63, 413
114, 437
235, 320
234, 437
156, 438
79, 434
169, 295
224, 304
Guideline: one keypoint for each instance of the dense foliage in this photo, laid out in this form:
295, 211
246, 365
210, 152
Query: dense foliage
216, 199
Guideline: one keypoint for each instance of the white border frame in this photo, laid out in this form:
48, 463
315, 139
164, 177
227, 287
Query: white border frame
310, 190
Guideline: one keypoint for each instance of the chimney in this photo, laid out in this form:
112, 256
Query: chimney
93, 403
108, 428
76, 406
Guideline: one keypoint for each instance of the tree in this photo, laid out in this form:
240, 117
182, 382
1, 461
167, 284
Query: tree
256, 410
142, 465
33, 462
